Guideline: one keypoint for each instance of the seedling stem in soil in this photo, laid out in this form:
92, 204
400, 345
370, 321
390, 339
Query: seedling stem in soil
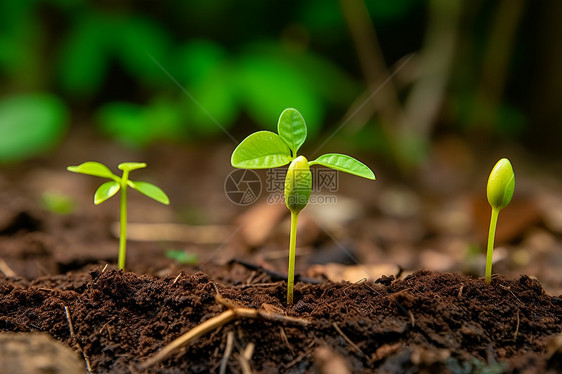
108, 189
501, 185
266, 149
292, 255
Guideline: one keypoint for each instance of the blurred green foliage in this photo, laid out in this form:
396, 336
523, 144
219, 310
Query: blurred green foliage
99, 38
182, 257
140, 125
57, 202
179, 70
122, 63
30, 125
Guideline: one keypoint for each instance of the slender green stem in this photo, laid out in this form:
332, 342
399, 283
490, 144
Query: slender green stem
292, 247
123, 221
490, 251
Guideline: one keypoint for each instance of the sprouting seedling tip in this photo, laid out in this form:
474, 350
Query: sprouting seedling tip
499, 190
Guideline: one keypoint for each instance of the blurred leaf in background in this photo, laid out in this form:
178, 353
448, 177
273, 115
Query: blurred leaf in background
267, 86
139, 125
120, 64
30, 125
98, 38
206, 71
182, 256
260, 80
57, 202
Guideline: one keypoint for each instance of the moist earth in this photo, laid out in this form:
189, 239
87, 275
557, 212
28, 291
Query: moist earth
423, 323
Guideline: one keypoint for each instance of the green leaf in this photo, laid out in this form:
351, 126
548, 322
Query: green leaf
501, 184
131, 165
292, 129
261, 150
344, 163
30, 125
95, 169
151, 191
105, 191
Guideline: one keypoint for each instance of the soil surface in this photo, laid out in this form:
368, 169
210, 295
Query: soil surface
425, 322
347, 316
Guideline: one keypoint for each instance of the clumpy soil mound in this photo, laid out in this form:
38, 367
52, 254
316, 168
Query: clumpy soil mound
424, 323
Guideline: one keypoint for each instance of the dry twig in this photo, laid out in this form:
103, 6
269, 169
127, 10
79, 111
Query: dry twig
73, 336
245, 357
286, 340
234, 312
4, 268
516, 327
352, 344
227, 352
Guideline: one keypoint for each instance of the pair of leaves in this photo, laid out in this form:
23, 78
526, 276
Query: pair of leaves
108, 189
265, 149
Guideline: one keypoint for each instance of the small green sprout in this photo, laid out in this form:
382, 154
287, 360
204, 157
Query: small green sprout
182, 257
108, 189
501, 185
266, 149
57, 202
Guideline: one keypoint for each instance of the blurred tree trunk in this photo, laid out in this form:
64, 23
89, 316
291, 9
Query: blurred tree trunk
546, 90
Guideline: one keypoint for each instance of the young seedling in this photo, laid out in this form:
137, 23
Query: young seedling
266, 149
108, 189
501, 185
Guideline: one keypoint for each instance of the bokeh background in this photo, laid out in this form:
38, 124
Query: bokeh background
430, 94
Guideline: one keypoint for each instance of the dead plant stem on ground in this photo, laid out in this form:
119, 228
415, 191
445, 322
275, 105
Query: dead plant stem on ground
234, 312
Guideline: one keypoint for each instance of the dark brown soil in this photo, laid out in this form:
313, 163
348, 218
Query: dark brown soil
424, 323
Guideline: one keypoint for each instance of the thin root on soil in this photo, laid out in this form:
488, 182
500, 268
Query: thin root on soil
349, 341
233, 312
73, 336
227, 352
